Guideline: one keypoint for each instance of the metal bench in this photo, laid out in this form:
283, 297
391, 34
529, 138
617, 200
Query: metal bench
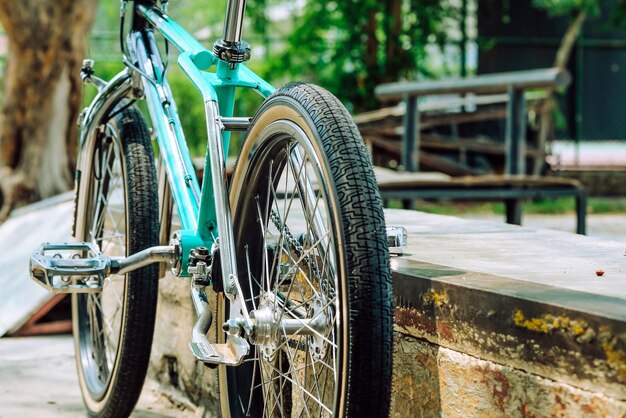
514, 185
509, 189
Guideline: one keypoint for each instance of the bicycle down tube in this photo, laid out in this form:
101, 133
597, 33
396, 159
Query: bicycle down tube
204, 212
200, 220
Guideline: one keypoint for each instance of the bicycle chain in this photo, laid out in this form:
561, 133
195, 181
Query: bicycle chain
295, 244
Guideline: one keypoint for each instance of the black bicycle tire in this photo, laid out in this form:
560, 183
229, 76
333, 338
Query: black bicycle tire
141, 286
369, 362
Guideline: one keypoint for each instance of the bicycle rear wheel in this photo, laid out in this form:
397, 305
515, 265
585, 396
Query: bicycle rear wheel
113, 329
313, 266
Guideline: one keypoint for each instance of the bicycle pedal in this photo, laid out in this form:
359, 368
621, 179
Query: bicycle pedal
397, 239
230, 354
69, 267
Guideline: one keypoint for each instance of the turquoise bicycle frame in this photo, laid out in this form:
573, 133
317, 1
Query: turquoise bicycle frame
202, 223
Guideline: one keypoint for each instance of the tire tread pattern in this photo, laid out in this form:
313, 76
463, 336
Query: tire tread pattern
142, 287
370, 285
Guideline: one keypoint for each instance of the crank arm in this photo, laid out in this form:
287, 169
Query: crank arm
230, 353
81, 268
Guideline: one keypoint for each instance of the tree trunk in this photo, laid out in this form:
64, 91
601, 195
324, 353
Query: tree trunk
394, 55
42, 97
569, 40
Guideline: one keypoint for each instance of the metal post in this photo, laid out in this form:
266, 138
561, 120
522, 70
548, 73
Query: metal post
410, 140
234, 20
515, 147
581, 213
515, 140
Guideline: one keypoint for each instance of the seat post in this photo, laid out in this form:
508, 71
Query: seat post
234, 20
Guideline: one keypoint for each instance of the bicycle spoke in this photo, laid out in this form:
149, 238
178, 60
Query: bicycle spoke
251, 278
254, 371
286, 212
263, 226
291, 263
302, 388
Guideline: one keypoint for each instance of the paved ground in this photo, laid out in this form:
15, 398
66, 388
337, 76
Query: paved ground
605, 226
38, 379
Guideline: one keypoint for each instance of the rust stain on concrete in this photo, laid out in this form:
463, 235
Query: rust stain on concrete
525, 412
501, 390
414, 322
499, 385
410, 318
445, 331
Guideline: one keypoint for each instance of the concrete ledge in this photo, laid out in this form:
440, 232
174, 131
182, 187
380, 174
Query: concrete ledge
491, 320
480, 314
529, 304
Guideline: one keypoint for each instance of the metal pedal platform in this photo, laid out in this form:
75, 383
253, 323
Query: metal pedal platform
397, 239
69, 267
230, 353
205, 352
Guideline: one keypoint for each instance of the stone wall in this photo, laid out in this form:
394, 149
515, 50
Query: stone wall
428, 380
433, 381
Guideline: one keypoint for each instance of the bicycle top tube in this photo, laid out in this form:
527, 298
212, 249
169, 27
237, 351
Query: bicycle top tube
193, 52
175, 34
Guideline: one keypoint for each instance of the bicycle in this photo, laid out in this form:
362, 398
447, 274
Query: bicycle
294, 244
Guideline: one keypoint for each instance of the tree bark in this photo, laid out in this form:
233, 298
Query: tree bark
42, 97
569, 39
394, 55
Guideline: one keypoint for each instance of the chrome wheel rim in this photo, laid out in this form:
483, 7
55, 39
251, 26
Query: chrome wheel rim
100, 315
296, 371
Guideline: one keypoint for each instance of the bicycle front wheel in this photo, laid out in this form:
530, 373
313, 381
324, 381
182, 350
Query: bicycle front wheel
118, 213
313, 266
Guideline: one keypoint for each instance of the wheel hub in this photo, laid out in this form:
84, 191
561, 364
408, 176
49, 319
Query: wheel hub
266, 328
272, 325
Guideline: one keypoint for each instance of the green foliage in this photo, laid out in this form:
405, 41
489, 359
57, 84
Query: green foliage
618, 16
350, 47
593, 8
567, 7
193, 14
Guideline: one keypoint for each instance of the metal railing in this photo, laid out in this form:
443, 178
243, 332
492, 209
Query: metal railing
515, 84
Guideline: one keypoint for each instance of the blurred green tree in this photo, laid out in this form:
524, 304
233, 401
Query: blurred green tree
578, 11
42, 94
350, 47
